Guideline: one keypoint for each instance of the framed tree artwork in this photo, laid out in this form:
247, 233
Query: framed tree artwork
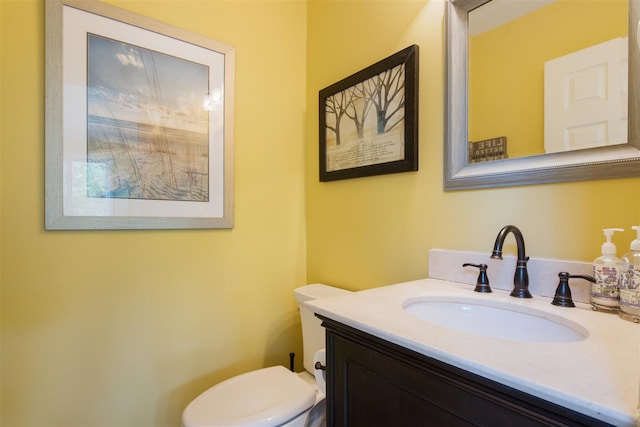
369, 121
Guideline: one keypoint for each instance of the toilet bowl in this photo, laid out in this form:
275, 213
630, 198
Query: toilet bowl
273, 396
267, 397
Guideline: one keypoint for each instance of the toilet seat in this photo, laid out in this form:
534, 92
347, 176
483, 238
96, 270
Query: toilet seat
267, 397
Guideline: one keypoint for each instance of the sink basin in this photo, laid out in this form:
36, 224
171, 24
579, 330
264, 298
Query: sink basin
496, 319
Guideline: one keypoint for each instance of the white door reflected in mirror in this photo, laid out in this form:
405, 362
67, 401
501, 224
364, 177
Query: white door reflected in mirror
585, 98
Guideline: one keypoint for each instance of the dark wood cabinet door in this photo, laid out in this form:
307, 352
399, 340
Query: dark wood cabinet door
371, 382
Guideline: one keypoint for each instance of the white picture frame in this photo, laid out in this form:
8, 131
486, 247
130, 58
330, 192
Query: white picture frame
139, 122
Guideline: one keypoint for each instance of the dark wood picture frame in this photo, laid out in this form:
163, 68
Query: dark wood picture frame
368, 122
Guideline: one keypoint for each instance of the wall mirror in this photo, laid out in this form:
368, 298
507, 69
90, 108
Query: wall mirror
492, 104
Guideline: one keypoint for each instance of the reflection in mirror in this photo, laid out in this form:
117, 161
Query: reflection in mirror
562, 88
502, 64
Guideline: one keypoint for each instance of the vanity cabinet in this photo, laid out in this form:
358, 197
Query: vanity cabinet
372, 382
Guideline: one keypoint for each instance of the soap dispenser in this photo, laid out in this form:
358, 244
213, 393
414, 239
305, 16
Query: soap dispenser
607, 270
630, 281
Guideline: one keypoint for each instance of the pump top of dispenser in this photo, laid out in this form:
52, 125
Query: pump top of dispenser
635, 244
609, 248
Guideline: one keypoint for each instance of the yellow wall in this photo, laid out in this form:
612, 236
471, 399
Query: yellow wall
375, 231
506, 76
124, 328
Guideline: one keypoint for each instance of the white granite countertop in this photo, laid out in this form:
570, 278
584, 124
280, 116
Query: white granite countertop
598, 376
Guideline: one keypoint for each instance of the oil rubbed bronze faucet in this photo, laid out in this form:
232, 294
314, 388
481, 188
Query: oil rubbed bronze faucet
521, 277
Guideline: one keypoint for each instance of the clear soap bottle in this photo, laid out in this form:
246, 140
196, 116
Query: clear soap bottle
607, 269
630, 281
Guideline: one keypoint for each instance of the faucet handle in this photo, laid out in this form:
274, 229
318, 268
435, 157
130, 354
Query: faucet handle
563, 291
482, 284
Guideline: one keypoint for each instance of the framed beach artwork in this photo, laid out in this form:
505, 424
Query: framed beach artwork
139, 122
368, 121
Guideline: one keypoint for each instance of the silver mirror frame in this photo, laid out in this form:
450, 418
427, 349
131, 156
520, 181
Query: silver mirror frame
619, 161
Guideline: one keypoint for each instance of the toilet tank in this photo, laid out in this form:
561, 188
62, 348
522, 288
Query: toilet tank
313, 334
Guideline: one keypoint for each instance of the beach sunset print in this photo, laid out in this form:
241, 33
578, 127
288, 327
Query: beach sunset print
147, 125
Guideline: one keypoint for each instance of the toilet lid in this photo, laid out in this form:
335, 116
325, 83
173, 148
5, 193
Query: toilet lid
266, 397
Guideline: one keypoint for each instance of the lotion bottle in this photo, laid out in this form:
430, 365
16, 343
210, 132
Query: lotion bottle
630, 281
607, 270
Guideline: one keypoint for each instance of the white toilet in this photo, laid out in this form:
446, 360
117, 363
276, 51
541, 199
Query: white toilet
274, 396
